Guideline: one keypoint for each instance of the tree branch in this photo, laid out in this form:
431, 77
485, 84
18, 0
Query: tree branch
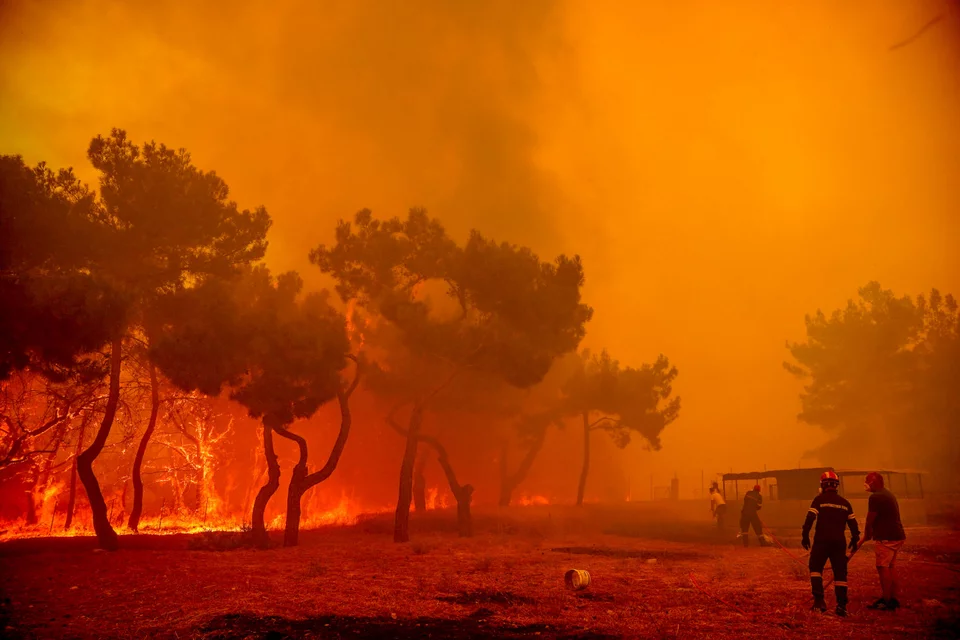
593, 425
333, 459
444, 461
300, 440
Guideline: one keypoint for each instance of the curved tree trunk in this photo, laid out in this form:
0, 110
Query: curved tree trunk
296, 490
260, 471
260, 536
463, 494
420, 485
106, 536
134, 520
401, 526
301, 481
72, 500
581, 489
509, 483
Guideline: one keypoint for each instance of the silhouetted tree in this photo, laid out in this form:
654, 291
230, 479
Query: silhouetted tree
623, 401
168, 224
885, 366
279, 352
504, 314
53, 307
540, 408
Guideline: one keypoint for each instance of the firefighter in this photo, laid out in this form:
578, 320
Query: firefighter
752, 502
884, 526
718, 506
833, 515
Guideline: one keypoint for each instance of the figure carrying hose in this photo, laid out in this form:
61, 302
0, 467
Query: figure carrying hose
833, 515
749, 517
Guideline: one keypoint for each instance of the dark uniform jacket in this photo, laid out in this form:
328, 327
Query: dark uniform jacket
752, 501
833, 515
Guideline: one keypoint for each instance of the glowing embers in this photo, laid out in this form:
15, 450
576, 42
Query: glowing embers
529, 501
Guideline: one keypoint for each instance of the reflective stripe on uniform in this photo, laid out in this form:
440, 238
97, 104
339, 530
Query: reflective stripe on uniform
851, 517
814, 574
837, 583
813, 511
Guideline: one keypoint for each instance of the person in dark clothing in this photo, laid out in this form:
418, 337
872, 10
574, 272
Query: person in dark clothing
884, 526
833, 515
752, 503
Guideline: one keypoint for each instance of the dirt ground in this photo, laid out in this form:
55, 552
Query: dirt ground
650, 579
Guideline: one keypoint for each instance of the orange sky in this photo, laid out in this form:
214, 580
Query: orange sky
722, 167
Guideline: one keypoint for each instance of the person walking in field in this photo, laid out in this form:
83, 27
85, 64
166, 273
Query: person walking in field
718, 506
749, 516
833, 515
884, 526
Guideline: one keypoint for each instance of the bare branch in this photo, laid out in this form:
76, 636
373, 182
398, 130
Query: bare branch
919, 33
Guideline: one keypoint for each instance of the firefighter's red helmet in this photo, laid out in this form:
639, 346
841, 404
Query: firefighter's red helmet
756, 487
874, 481
829, 480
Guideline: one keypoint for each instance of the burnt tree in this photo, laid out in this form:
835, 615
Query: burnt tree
158, 224
483, 310
622, 401
301, 480
134, 521
278, 352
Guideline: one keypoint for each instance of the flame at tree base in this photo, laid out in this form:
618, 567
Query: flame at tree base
346, 512
317, 513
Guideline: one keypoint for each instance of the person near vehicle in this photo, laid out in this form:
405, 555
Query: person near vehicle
752, 503
884, 526
833, 515
718, 506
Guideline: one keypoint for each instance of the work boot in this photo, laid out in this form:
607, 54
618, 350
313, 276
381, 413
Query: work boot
746, 539
819, 604
842, 611
763, 541
893, 603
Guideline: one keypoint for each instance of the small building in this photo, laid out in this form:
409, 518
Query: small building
787, 493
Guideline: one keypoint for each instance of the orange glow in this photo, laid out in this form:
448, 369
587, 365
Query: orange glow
722, 168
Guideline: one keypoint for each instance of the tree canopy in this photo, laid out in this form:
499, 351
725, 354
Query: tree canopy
278, 351
882, 371
54, 308
511, 314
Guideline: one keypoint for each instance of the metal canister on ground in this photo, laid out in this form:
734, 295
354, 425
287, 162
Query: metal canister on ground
577, 579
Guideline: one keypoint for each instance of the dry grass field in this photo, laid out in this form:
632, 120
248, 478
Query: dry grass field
651, 579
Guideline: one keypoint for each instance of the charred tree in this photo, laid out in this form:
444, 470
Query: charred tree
301, 481
106, 536
134, 522
420, 485
630, 401
508, 482
260, 536
582, 486
462, 493
401, 526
